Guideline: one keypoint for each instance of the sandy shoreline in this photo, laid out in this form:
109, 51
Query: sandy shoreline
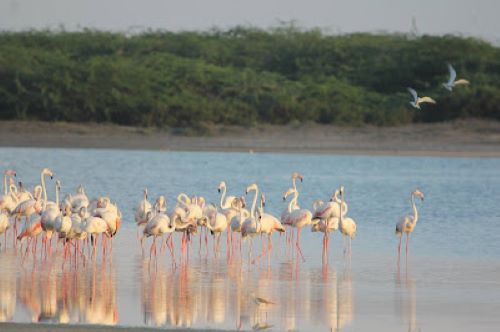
471, 138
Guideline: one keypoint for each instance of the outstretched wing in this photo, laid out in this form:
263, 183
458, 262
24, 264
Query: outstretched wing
462, 82
413, 93
453, 74
426, 100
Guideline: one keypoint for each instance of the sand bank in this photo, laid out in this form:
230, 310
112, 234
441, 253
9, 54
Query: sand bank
471, 138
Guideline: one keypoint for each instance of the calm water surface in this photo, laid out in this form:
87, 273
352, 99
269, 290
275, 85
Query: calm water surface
451, 281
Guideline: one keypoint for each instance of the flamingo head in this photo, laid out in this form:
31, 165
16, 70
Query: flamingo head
319, 202
37, 191
118, 225
38, 207
161, 201
243, 202
10, 172
145, 193
82, 212
80, 190
251, 187
67, 210
58, 184
48, 172
222, 186
263, 199
419, 194
297, 175
341, 190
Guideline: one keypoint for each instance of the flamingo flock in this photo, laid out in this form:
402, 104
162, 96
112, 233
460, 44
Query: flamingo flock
75, 221
192, 215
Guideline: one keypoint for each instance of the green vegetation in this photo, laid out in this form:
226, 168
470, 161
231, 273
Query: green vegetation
242, 76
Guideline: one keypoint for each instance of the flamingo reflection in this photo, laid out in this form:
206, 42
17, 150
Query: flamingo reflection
86, 295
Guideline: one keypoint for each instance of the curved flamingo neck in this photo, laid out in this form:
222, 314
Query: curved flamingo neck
222, 197
294, 184
42, 180
295, 198
183, 199
254, 203
336, 197
414, 206
57, 195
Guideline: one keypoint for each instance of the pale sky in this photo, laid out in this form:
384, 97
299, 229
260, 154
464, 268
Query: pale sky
468, 17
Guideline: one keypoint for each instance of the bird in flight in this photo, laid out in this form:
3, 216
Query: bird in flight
452, 82
419, 100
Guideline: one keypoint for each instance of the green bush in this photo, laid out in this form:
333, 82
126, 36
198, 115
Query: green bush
242, 76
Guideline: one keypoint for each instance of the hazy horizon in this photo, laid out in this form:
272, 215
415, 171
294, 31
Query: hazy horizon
478, 19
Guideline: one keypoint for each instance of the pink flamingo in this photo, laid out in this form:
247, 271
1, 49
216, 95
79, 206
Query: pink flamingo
297, 218
407, 224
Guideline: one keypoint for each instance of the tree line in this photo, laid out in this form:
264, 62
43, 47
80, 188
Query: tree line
242, 76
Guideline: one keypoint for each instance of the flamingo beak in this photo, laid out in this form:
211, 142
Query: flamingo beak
218, 190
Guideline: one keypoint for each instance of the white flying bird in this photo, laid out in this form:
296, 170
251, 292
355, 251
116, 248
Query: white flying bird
452, 83
417, 101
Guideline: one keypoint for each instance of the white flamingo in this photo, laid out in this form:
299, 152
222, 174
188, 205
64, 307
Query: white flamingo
297, 218
268, 223
453, 82
50, 212
110, 213
325, 211
419, 100
9, 199
407, 224
249, 227
225, 202
30, 204
347, 226
217, 223
4, 224
158, 226
142, 209
95, 226
79, 200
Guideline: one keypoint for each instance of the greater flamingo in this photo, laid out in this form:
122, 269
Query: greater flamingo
249, 227
268, 223
142, 209
347, 226
9, 199
297, 218
225, 202
159, 225
407, 224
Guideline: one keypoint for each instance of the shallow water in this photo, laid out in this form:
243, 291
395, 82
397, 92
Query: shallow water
450, 281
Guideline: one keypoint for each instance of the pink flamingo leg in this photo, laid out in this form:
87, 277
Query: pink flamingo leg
399, 248
297, 244
407, 240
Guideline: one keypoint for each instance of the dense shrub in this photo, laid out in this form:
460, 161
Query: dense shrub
242, 76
